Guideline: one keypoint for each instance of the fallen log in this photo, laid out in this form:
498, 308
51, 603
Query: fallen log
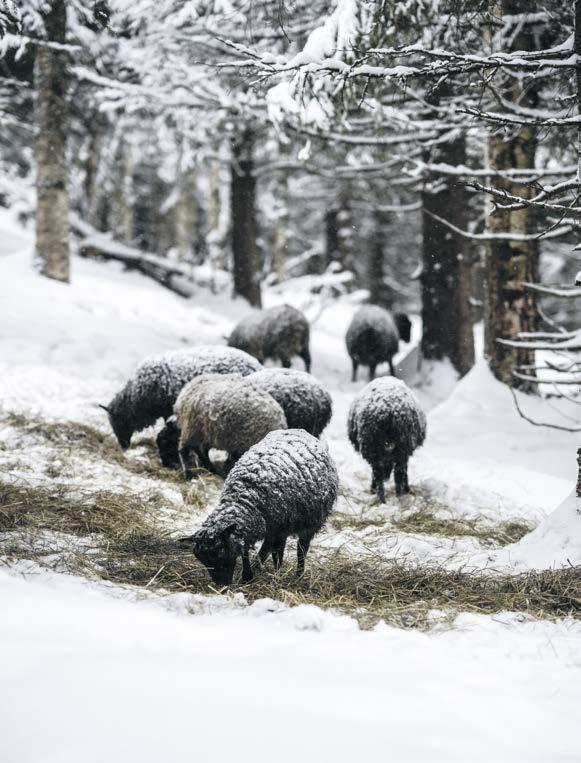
173, 275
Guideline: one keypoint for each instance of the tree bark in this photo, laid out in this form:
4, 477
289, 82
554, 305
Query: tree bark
246, 257
446, 275
577, 51
339, 233
52, 206
375, 263
509, 308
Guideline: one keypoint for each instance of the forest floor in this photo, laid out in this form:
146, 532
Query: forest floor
444, 625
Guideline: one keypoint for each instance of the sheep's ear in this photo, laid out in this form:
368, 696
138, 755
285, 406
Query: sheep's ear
104, 407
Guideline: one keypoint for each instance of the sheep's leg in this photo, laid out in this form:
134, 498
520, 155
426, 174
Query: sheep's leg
355, 367
378, 479
265, 550
247, 573
391, 368
185, 461
285, 362
204, 459
372, 372
303, 544
401, 477
306, 356
278, 553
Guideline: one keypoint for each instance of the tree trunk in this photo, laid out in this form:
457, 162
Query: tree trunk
186, 218
446, 274
246, 257
331, 237
375, 263
339, 233
509, 308
577, 52
52, 206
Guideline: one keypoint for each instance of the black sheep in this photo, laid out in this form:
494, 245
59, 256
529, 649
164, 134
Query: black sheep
152, 391
284, 485
386, 425
373, 337
306, 403
280, 333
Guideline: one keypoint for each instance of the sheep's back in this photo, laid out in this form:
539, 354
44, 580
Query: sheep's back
238, 415
387, 412
372, 335
285, 328
289, 478
305, 402
160, 378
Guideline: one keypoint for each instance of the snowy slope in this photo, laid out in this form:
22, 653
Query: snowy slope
92, 672
63, 349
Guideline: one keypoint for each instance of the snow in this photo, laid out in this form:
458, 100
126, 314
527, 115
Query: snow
104, 673
100, 678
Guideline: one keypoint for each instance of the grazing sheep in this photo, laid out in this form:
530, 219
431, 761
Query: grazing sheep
373, 338
223, 413
280, 332
386, 425
151, 393
306, 403
285, 485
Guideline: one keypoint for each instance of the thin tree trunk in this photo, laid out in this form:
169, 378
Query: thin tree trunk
375, 263
339, 233
509, 308
280, 233
186, 213
331, 237
577, 51
246, 257
52, 207
446, 275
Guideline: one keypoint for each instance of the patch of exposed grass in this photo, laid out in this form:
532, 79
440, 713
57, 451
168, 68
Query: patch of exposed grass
122, 539
81, 439
81, 512
426, 522
373, 588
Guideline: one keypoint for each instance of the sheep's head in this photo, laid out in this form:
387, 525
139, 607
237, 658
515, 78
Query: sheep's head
167, 444
218, 553
120, 420
404, 326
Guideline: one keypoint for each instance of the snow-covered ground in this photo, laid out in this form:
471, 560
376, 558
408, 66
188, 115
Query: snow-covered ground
92, 672
92, 678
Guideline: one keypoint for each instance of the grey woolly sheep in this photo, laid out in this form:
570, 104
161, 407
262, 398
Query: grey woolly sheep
280, 332
306, 403
373, 338
152, 391
223, 413
386, 425
285, 485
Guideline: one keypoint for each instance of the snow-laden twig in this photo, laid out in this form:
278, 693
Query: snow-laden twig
563, 230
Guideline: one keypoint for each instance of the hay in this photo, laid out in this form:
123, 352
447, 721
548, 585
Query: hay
82, 512
78, 439
123, 540
374, 588
426, 522
128, 538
